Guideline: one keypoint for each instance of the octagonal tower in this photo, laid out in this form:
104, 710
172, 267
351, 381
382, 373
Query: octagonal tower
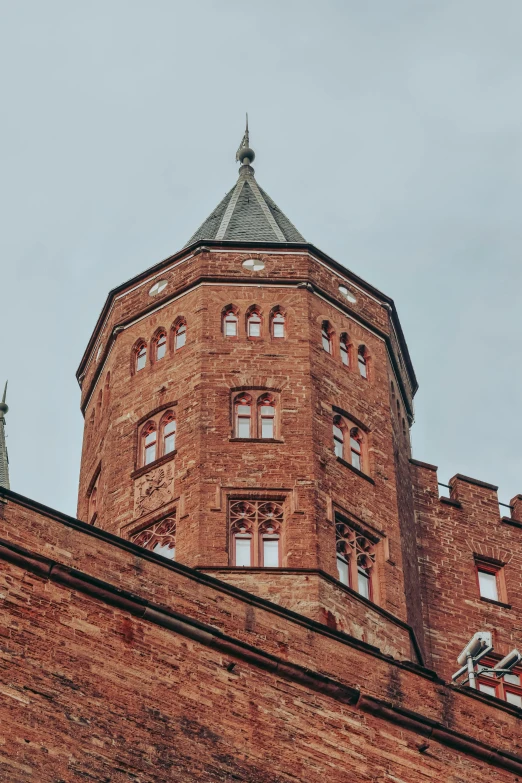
247, 407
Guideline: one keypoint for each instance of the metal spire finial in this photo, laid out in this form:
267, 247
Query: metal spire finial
4, 460
244, 154
3, 404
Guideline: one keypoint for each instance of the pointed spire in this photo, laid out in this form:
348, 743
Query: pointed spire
4, 461
244, 154
247, 213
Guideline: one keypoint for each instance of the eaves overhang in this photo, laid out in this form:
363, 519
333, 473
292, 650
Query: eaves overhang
306, 247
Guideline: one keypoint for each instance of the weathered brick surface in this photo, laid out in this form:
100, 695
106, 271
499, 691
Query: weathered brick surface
199, 381
91, 692
450, 536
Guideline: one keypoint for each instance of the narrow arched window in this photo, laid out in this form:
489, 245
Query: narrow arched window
254, 324
230, 321
150, 443
345, 350
326, 336
338, 436
107, 389
356, 448
93, 505
160, 346
169, 433
180, 335
362, 360
267, 414
141, 356
243, 410
278, 324
269, 531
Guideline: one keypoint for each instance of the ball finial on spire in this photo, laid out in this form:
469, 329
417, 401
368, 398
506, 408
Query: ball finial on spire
245, 155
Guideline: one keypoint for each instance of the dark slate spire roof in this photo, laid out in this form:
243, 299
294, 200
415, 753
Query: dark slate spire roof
247, 213
4, 461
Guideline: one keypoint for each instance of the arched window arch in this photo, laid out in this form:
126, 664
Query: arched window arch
339, 428
356, 449
168, 433
243, 416
242, 525
255, 528
344, 347
160, 345
180, 334
140, 353
230, 321
159, 538
355, 559
253, 322
267, 416
278, 323
327, 336
149, 443
363, 361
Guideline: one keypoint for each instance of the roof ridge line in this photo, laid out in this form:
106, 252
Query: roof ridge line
225, 220
266, 210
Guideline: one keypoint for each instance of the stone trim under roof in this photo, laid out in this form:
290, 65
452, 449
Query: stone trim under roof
247, 214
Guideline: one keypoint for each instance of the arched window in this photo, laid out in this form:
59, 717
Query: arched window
93, 505
338, 436
160, 346
355, 559
168, 433
362, 360
141, 356
242, 523
255, 528
230, 321
344, 347
159, 538
150, 443
278, 324
243, 415
254, 323
267, 414
356, 448
100, 402
180, 335
326, 336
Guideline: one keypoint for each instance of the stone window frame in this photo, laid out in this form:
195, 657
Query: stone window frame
255, 526
351, 428
137, 348
162, 530
501, 687
278, 310
497, 568
254, 310
234, 310
256, 396
92, 496
359, 548
156, 417
154, 343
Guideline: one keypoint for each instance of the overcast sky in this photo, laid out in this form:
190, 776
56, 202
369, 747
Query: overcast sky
389, 131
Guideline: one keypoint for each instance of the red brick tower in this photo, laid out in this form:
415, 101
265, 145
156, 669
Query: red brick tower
247, 406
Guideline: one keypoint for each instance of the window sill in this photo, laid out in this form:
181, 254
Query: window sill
152, 465
355, 470
495, 603
255, 440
